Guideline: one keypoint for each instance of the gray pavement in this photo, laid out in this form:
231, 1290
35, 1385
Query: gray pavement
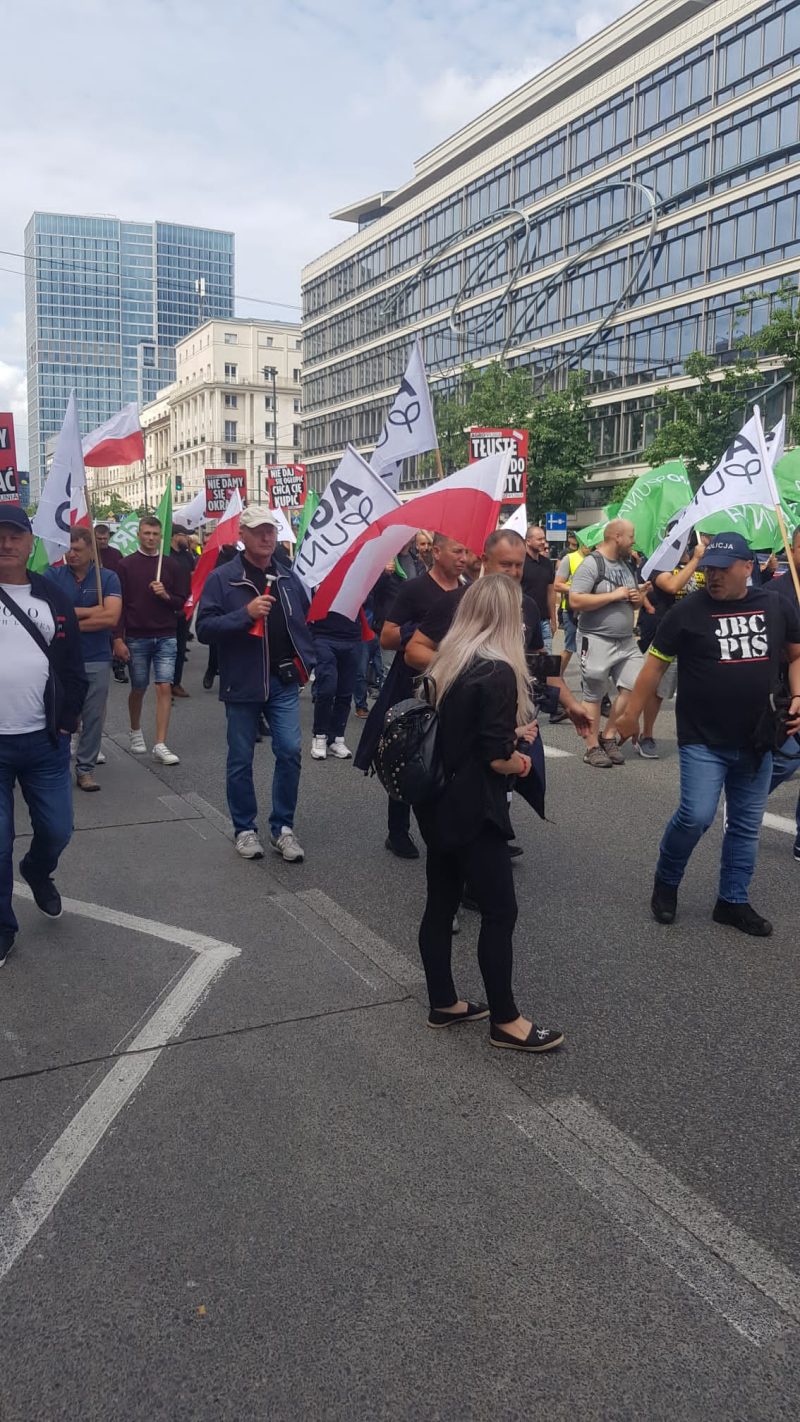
241, 1180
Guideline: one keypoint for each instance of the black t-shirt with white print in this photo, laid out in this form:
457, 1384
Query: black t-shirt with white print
729, 655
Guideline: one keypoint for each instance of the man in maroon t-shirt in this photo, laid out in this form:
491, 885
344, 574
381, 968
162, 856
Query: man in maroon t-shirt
146, 636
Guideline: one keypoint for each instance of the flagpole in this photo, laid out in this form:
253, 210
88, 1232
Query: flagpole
96, 562
787, 546
438, 457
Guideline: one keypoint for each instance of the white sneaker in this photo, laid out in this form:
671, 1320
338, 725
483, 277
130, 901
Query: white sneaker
287, 846
137, 745
339, 749
101, 760
319, 747
165, 756
248, 844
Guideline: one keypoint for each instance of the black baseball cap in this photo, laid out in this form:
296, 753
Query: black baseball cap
13, 514
725, 549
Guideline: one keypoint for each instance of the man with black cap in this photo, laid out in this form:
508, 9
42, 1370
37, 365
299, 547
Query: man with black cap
44, 685
729, 640
253, 609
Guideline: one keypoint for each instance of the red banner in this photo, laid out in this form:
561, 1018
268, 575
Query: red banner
484, 442
286, 484
220, 484
9, 484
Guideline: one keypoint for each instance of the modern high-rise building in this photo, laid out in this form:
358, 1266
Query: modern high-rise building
607, 217
105, 304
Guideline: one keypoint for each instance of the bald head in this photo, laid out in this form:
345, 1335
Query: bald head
619, 534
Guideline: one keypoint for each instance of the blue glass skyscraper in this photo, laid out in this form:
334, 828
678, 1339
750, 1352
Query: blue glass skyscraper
105, 303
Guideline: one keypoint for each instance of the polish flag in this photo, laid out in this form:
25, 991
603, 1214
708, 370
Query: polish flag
464, 507
118, 441
225, 531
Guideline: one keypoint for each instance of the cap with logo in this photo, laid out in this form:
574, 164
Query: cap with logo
725, 549
13, 514
254, 516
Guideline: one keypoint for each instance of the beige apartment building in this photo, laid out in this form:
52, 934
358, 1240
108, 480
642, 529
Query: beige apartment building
234, 404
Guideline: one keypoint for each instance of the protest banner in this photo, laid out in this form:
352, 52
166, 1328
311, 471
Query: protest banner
9, 484
220, 484
286, 485
485, 442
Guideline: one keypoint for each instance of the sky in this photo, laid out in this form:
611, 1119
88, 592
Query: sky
260, 119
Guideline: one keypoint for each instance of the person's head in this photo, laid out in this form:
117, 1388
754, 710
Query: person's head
180, 537
102, 534
727, 564
473, 566
572, 543
504, 552
16, 544
487, 624
424, 542
80, 553
258, 532
150, 534
619, 534
536, 541
449, 557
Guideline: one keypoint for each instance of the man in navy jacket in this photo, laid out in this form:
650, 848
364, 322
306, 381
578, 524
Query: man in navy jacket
44, 685
253, 609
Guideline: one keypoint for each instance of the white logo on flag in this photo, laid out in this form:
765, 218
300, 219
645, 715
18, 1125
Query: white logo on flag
354, 498
409, 427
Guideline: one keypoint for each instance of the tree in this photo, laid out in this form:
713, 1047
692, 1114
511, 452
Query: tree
780, 338
559, 450
701, 419
110, 505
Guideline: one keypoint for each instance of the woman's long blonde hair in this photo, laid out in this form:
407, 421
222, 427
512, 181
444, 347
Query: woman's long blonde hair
487, 624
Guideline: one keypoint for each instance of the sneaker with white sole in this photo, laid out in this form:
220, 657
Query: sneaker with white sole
248, 844
339, 749
645, 746
137, 745
319, 747
287, 846
164, 755
101, 760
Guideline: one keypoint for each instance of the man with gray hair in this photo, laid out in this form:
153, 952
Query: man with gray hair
605, 594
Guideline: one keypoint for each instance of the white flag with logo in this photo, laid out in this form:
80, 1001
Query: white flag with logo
191, 515
409, 427
285, 530
743, 476
354, 498
64, 489
518, 522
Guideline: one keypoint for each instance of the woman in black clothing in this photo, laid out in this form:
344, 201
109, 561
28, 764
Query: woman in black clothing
479, 683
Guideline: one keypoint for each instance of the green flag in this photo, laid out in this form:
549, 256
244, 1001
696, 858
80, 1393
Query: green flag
126, 534
164, 513
592, 534
787, 478
653, 499
38, 560
309, 509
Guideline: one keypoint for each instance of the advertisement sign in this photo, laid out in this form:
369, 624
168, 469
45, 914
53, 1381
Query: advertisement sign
286, 485
484, 442
9, 488
220, 484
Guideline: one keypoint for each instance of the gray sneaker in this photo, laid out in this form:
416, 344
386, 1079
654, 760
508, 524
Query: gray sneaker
248, 844
598, 759
287, 845
612, 750
646, 748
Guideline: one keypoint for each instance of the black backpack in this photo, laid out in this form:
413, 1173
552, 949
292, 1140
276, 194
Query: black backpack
408, 760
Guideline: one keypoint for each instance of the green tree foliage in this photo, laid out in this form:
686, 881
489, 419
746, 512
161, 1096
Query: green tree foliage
780, 338
559, 450
107, 505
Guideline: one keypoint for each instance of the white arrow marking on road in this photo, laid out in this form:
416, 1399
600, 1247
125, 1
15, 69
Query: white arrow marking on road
780, 822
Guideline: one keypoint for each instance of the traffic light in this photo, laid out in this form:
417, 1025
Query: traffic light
178, 483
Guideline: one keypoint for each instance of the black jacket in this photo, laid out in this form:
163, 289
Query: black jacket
223, 619
67, 684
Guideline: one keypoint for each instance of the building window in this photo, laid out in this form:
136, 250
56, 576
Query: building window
231, 338
269, 429
231, 402
229, 456
297, 435
230, 371
296, 406
298, 345
230, 429
269, 341
296, 376
267, 402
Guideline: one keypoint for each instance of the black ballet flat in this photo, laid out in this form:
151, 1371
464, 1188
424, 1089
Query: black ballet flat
476, 1012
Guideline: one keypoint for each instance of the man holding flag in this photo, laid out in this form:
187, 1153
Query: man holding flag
146, 637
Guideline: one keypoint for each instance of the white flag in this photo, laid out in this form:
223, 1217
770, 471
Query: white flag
743, 476
410, 427
65, 487
354, 498
285, 530
518, 522
191, 515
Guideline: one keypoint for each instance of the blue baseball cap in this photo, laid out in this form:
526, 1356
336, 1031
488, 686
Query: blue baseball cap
12, 513
724, 549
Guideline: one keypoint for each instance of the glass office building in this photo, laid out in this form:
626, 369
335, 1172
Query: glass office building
607, 217
105, 303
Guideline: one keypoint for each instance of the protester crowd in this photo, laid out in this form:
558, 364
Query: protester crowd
470, 632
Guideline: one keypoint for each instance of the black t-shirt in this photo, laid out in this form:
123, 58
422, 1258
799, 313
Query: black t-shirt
278, 640
729, 656
537, 576
419, 596
437, 623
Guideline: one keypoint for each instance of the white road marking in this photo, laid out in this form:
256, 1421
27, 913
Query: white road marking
752, 1290
780, 822
38, 1197
210, 812
553, 753
377, 950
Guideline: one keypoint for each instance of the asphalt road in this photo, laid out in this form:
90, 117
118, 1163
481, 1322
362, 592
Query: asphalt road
242, 1180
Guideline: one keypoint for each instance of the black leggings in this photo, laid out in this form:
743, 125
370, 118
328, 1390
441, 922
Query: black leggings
486, 864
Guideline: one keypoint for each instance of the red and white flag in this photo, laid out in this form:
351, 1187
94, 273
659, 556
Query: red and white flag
226, 530
464, 507
118, 441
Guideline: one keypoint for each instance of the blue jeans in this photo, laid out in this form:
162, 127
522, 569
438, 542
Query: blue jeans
282, 712
370, 656
705, 771
156, 652
787, 761
42, 771
547, 634
335, 677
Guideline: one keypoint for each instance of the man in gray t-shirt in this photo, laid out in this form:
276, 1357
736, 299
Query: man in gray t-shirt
604, 593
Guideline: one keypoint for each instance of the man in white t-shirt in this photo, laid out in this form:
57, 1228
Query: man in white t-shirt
44, 685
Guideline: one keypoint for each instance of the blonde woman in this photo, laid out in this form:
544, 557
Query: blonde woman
478, 681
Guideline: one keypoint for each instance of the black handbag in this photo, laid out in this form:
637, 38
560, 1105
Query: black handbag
408, 760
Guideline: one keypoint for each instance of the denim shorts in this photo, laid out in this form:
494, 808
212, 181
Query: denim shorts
570, 634
156, 652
